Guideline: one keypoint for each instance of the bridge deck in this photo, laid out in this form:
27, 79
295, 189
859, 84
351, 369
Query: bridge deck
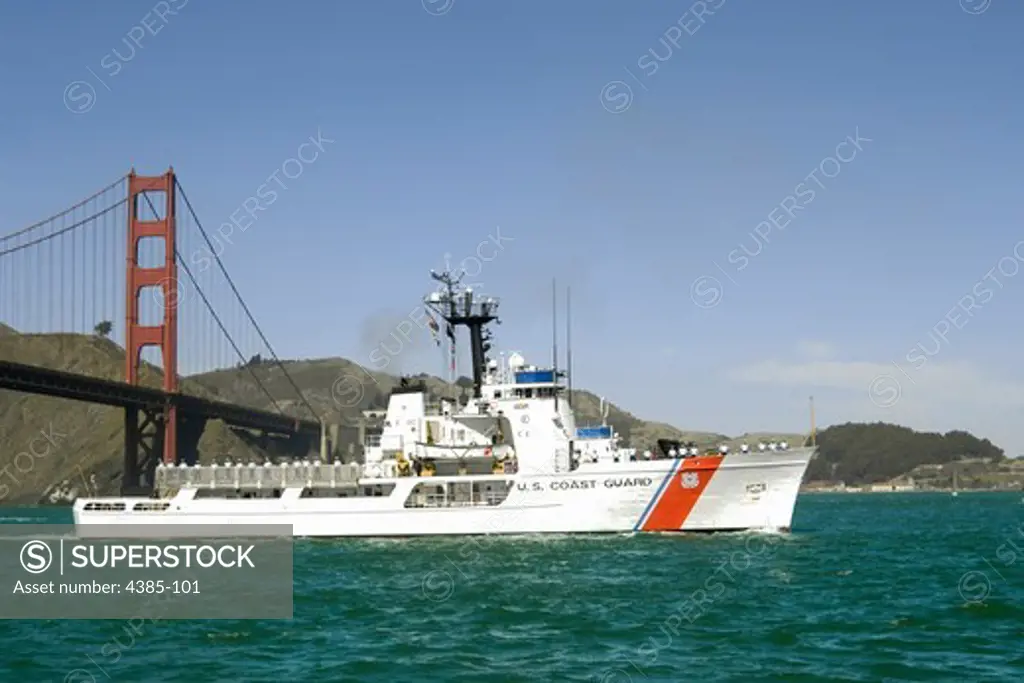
36, 380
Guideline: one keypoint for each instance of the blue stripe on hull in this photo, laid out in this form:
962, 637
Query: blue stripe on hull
657, 494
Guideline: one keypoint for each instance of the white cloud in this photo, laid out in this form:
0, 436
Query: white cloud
948, 382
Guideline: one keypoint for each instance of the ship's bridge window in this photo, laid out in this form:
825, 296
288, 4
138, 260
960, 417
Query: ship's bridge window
497, 394
524, 393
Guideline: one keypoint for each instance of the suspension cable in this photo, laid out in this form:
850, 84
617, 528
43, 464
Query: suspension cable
60, 232
209, 307
64, 212
242, 302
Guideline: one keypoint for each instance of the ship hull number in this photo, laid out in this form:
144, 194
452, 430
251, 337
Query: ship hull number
581, 484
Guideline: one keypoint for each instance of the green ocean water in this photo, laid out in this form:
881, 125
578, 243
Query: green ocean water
884, 587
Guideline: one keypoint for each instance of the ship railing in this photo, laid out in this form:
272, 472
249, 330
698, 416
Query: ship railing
478, 500
254, 476
441, 451
494, 497
379, 470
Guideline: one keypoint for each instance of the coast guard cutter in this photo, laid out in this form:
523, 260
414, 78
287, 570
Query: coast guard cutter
510, 460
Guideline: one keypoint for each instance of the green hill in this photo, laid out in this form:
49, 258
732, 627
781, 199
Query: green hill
84, 453
82, 444
340, 390
858, 453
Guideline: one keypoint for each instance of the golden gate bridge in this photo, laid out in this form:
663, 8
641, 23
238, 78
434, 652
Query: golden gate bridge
132, 265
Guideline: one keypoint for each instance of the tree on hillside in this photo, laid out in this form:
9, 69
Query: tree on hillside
103, 328
870, 453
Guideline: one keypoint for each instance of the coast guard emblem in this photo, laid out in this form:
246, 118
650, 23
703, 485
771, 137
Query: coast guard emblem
690, 480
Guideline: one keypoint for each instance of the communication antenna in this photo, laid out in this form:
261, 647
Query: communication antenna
813, 430
554, 335
568, 340
456, 306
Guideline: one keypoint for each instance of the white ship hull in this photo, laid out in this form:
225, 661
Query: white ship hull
706, 493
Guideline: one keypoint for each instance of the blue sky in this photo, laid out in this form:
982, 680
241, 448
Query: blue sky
450, 119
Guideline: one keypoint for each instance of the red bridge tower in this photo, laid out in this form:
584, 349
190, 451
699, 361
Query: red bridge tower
159, 425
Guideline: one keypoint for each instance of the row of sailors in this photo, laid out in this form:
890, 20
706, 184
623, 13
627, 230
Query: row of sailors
770, 446
762, 447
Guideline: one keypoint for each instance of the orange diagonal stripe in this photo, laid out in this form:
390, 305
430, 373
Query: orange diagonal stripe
676, 501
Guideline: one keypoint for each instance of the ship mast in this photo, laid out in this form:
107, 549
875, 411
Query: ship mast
455, 305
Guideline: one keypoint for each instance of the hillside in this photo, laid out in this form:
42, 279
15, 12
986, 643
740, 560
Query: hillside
78, 447
342, 389
869, 453
84, 450
48, 444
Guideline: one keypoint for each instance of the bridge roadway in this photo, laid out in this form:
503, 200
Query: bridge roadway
36, 380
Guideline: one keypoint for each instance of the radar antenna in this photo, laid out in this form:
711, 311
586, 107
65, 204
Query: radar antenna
456, 305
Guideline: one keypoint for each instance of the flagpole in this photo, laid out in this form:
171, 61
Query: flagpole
444, 357
451, 368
